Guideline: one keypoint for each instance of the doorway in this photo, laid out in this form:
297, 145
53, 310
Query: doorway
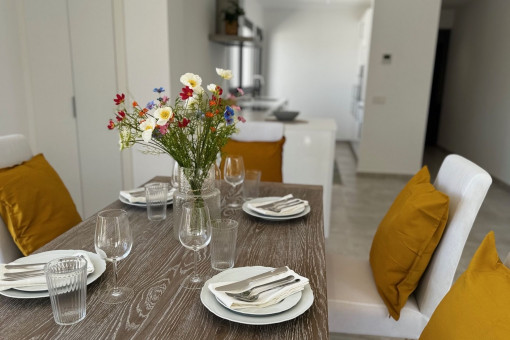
436, 93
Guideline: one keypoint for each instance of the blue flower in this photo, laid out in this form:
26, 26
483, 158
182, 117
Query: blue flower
150, 105
229, 112
159, 90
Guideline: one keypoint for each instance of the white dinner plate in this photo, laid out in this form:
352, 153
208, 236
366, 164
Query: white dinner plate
247, 210
235, 274
140, 204
36, 292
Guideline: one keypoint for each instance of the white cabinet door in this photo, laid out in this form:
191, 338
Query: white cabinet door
93, 56
51, 84
71, 52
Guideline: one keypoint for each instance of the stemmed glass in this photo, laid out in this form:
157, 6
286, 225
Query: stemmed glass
195, 234
113, 242
234, 175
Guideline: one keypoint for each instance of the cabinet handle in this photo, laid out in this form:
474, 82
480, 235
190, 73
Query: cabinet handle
73, 100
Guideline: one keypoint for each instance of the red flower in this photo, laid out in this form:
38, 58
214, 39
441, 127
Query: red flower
209, 114
213, 129
120, 99
122, 114
241, 119
111, 125
184, 123
219, 90
212, 102
186, 93
135, 104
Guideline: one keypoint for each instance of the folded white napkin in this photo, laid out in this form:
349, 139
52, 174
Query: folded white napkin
294, 209
265, 299
138, 195
36, 280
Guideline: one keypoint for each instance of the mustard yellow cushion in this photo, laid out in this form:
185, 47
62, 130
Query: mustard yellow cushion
263, 156
35, 204
478, 304
406, 239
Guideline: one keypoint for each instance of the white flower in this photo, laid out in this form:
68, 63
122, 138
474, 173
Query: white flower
192, 80
212, 87
163, 114
147, 126
198, 89
225, 74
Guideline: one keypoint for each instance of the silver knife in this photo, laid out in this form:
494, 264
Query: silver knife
247, 283
24, 265
24, 273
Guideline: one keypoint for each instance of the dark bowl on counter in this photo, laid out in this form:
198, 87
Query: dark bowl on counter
286, 115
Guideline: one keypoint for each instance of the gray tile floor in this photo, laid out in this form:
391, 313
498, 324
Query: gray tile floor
361, 201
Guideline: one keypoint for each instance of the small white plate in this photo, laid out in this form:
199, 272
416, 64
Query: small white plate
140, 204
38, 291
247, 210
235, 274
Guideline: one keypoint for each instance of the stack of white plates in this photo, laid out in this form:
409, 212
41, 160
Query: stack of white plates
283, 217
288, 309
32, 292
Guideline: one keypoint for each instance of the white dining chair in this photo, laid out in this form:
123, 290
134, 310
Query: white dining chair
14, 150
354, 305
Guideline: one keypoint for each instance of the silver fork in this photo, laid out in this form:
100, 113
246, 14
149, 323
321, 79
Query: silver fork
254, 297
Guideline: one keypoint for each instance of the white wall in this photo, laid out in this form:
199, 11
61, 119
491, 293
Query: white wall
475, 117
13, 115
397, 94
311, 59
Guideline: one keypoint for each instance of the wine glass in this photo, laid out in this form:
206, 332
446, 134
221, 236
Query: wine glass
194, 233
113, 242
234, 175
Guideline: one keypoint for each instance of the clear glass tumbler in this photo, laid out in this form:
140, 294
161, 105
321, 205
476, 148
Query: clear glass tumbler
156, 195
223, 243
67, 284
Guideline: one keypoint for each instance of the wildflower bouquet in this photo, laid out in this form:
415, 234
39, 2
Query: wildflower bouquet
193, 130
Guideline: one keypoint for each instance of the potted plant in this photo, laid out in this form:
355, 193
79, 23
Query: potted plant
231, 17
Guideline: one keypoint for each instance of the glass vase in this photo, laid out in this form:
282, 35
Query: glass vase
188, 191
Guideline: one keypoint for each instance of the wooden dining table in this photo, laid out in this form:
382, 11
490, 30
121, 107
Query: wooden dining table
161, 308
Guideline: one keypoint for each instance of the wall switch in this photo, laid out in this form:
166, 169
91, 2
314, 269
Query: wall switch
378, 100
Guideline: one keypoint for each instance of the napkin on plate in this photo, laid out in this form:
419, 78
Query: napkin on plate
295, 209
265, 299
138, 195
36, 280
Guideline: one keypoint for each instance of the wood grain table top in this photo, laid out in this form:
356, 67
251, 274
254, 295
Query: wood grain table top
161, 309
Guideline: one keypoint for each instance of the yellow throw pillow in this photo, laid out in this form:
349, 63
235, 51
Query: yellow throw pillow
478, 304
406, 239
35, 204
263, 156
